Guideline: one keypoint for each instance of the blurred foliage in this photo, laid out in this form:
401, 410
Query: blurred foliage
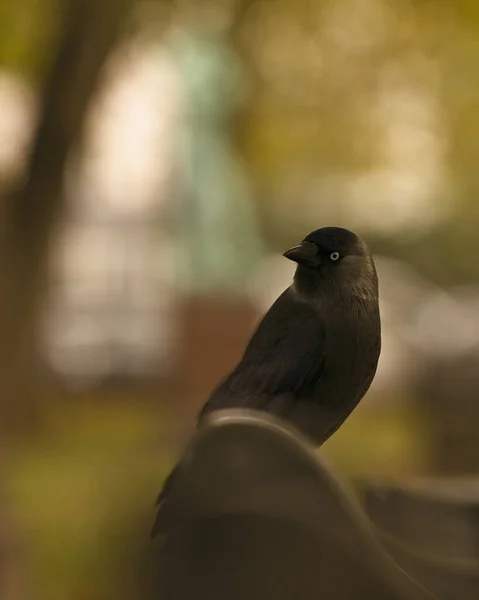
316, 114
390, 442
28, 31
85, 494
319, 75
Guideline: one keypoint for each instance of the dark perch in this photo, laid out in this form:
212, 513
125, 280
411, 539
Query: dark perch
431, 527
256, 514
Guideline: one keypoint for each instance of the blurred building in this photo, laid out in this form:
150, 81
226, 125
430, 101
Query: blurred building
111, 311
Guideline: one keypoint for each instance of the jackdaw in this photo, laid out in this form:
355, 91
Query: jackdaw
314, 355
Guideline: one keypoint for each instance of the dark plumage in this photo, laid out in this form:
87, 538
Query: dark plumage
314, 354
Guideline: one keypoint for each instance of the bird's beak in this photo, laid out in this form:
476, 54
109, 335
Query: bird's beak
305, 254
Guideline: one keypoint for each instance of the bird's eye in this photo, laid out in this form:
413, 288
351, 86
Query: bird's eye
334, 256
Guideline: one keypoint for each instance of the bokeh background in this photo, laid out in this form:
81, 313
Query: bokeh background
156, 158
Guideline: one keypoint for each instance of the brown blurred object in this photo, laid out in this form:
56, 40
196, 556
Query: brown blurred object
451, 395
214, 332
431, 529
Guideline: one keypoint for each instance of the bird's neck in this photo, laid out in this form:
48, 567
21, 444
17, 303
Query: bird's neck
307, 283
310, 285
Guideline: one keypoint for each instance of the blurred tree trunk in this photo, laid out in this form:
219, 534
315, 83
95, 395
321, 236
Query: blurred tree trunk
29, 217
30, 214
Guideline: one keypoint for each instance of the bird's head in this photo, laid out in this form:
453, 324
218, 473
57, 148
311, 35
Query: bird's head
336, 255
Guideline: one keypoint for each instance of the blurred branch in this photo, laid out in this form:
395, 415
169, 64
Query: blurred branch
88, 32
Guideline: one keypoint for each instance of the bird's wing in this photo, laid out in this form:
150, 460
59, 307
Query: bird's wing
285, 354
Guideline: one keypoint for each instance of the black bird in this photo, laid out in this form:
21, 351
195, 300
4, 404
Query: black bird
314, 354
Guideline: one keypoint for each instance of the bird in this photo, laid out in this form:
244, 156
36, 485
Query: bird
315, 353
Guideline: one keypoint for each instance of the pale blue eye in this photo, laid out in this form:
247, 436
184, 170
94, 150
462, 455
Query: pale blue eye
334, 256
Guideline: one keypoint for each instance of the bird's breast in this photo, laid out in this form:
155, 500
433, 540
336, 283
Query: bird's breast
353, 344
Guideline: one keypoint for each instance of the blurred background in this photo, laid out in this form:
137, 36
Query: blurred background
156, 158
